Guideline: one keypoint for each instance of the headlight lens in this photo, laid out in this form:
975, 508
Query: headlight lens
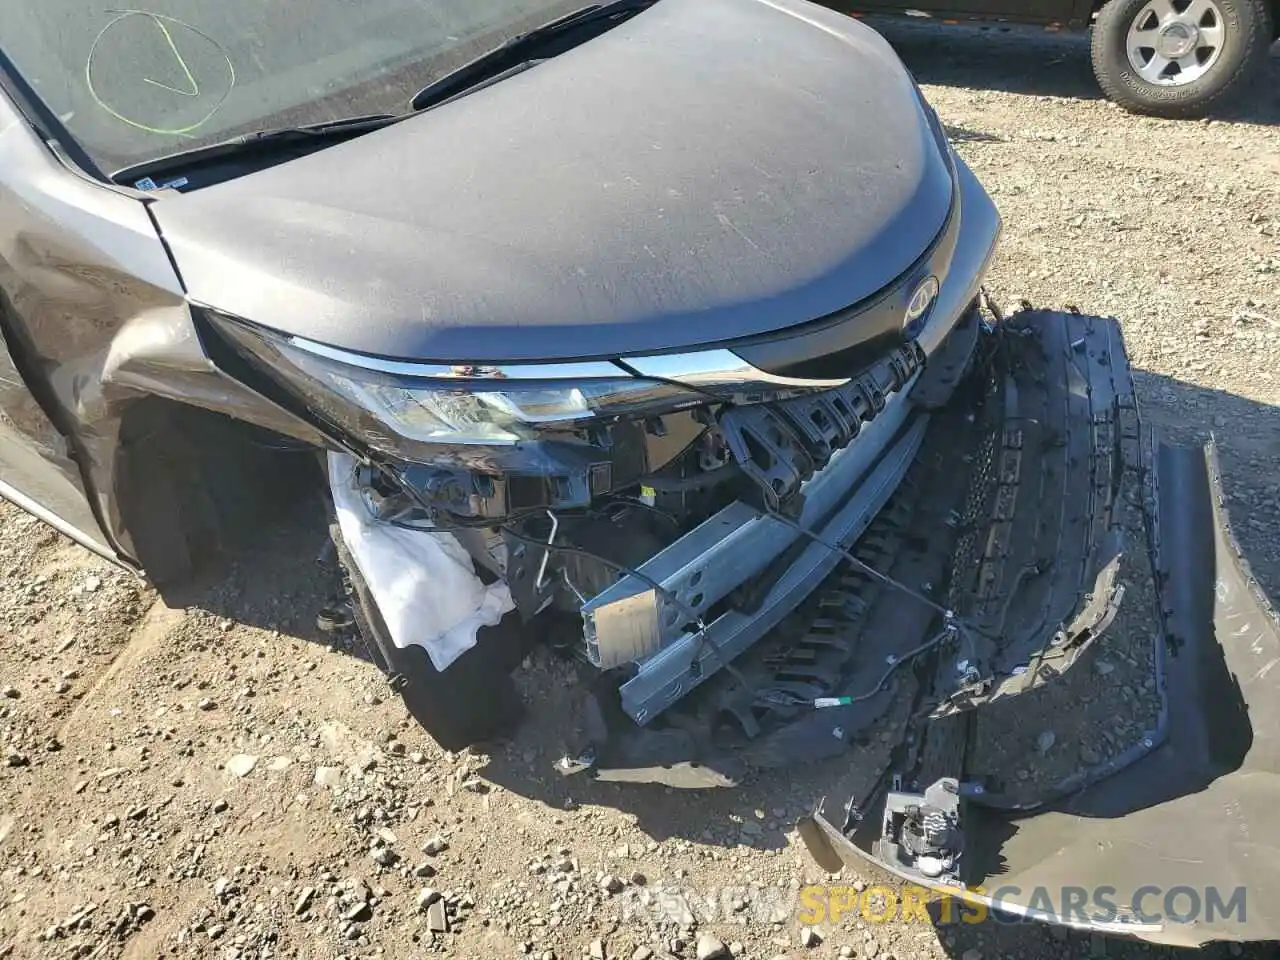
393, 406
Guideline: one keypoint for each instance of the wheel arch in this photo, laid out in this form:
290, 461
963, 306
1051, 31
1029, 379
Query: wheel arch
192, 486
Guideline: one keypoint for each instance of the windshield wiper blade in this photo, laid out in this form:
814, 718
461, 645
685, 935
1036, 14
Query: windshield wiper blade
258, 140
515, 51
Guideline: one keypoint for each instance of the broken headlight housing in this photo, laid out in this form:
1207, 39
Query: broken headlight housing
394, 406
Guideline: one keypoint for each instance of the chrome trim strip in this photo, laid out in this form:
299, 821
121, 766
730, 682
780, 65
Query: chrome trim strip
586, 370
706, 370
710, 369
22, 501
975, 248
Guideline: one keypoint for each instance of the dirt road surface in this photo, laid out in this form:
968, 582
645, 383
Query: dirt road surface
219, 780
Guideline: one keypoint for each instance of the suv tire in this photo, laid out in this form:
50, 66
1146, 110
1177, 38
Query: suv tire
1229, 38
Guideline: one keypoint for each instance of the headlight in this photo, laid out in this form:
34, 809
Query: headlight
393, 405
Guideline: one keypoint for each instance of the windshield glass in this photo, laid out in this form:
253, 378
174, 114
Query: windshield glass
136, 84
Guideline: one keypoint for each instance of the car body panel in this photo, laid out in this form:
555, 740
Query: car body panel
643, 192
622, 234
98, 303
94, 318
76, 261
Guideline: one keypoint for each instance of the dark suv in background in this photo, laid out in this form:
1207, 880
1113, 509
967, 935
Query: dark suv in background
1169, 58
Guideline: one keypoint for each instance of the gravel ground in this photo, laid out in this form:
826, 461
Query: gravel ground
218, 780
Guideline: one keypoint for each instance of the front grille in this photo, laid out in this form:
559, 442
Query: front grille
781, 444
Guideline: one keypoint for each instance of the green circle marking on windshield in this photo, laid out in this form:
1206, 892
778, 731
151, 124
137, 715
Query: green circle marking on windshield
173, 92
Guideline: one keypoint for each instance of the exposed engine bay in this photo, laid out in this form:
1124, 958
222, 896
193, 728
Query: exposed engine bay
754, 579
1014, 507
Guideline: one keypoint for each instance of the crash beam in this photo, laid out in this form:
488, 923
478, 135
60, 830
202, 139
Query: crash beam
739, 543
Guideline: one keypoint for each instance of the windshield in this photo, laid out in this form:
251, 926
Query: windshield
133, 85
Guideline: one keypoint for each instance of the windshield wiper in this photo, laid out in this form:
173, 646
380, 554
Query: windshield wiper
514, 52
259, 141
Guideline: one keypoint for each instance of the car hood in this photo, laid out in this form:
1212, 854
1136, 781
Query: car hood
708, 170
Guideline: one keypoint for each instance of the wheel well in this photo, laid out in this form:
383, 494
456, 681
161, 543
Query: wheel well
193, 487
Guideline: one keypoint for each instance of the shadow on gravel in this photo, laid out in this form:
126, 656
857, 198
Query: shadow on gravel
283, 578
1248, 438
1031, 62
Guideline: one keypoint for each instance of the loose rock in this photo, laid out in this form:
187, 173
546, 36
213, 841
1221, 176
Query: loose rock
611, 884
242, 764
437, 919
426, 897
303, 902
358, 913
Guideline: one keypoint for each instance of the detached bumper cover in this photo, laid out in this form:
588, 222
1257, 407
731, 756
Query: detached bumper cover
1172, 839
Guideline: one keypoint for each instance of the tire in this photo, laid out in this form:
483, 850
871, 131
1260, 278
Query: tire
474, 700
1246, 30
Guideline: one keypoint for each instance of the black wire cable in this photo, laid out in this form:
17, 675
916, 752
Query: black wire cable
952, 622
456, 523
778, 698
865, 567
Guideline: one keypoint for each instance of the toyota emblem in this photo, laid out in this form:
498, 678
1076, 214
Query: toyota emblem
918, 307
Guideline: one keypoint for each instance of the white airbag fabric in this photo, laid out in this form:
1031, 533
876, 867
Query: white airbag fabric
424, 584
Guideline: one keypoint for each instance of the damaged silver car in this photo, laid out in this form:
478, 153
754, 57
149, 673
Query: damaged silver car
650, 331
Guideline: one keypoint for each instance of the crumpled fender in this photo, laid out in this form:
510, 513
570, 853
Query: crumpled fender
159, 353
